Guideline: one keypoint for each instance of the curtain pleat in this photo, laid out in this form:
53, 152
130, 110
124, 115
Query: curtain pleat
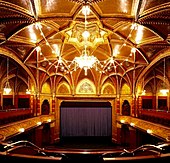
86, 121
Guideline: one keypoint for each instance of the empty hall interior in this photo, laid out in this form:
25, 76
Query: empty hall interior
84, 80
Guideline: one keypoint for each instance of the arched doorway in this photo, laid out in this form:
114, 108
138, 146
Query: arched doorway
45, 107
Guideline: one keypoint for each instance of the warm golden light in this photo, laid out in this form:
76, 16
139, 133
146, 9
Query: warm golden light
85, 61
28, 91
139, 34
7, 88
86, 37
149, 131
21, 130
122, 121
132, 124
86, 10
33, 36
49, 120
39, 123
85, 34
164, 90
144, 92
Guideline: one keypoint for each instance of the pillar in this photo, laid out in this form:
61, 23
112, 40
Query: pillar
38, 136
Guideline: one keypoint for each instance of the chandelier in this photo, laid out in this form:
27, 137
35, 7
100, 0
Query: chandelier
164, 90
85, 61
7, 88
86, 37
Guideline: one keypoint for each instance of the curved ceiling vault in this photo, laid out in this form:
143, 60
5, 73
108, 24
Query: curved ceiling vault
126, 36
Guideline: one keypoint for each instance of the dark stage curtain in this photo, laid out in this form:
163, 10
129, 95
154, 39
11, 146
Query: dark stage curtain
86, 121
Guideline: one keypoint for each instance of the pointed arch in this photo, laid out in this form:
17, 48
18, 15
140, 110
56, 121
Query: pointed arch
108, 88
125, 90
63, 88
46, 88
86, 86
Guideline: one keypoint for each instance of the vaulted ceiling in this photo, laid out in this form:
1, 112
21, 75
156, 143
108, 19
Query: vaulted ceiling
42, 37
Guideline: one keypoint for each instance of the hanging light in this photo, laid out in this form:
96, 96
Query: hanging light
28, 91
164, 90
7, 88
91, 37
85, 61
143, 90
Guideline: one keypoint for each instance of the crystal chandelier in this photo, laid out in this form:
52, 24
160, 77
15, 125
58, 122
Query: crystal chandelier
85, 61
164, 90
86, 37
7, 88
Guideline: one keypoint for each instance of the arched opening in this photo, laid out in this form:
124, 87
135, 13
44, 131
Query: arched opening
45, 107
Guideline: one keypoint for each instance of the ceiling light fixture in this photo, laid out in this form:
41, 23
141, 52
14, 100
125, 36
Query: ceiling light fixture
28, 91
85, 61
7, 88
164, 90
143, 87
86, 39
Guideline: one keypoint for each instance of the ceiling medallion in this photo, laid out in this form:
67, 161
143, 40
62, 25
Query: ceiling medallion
86, 1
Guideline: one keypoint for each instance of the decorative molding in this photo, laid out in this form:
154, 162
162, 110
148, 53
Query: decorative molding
12, 129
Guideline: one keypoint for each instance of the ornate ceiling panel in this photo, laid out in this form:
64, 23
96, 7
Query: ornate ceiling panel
126, 36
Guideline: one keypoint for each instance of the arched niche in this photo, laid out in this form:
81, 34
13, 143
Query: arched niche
86, 86
63, 88
46, 88
125, 90
108, 89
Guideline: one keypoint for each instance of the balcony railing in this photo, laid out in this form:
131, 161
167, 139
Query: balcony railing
13, 115
156, 116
